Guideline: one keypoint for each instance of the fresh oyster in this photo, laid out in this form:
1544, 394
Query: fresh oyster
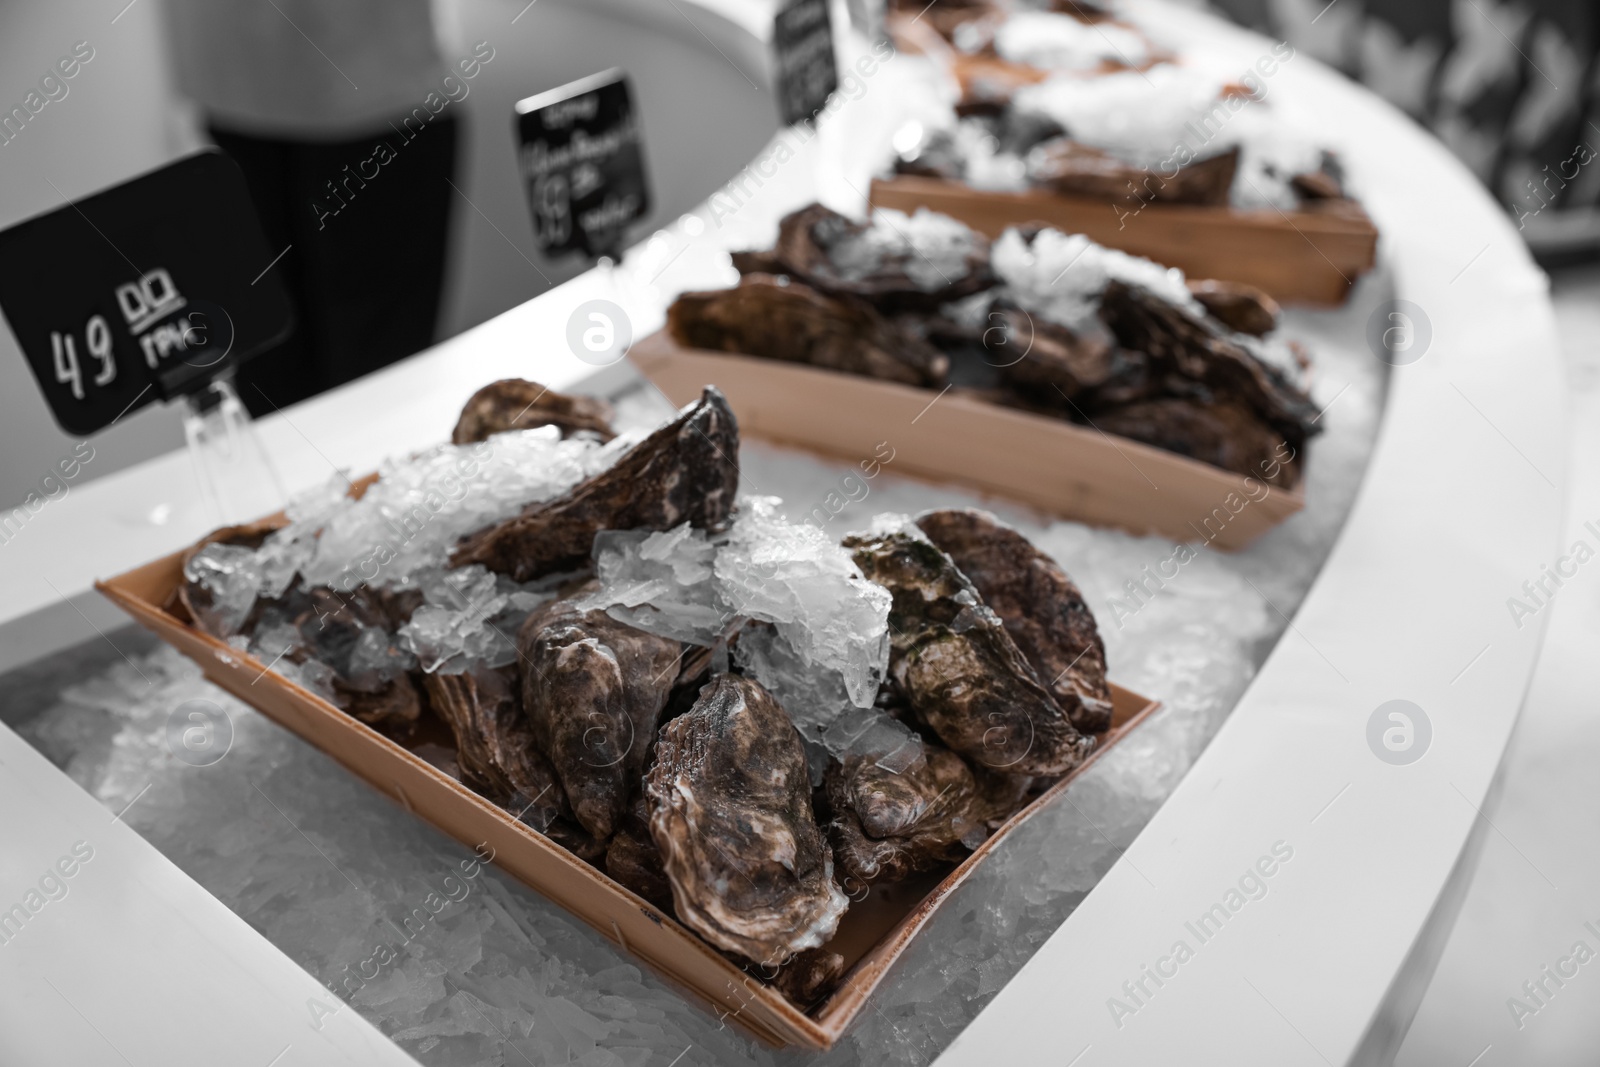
353, 633
494, 744
1224, 435
1237, 306
1045, 359
730, 809
218, 563
518, 404
687, 471
1042, 609
1067, 166
957, 666
810, 976
633, 859
893, 261
773, 318
1198, 359
593, 690
888, 825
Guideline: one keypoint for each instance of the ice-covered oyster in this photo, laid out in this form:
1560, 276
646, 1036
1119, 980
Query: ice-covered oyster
893, 260
593, 690
958, 668
1041, 607
220, 581
730, 809
353, 634
518, 404
687, 471
771, 317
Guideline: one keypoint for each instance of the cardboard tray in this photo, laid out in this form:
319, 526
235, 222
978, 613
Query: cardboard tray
1311, 256
1058, 467
873, 935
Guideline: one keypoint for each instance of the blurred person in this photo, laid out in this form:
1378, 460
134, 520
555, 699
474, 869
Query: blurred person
336, 110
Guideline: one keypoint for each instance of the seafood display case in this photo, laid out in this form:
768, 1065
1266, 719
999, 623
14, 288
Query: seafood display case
946, 605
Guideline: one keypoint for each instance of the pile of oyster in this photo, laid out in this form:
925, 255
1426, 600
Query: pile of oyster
1074, 99
739, 719
1038, 319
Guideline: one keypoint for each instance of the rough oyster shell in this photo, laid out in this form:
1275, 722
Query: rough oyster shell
773, 318
730, 809
1041, 608
959, 669
687, 471
518, 404
808, 240
593, 690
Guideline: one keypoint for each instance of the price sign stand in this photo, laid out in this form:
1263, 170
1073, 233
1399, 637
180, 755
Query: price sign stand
153, 290
235, 473
805, 75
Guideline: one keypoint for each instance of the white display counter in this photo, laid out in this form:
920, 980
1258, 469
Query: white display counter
1461, 504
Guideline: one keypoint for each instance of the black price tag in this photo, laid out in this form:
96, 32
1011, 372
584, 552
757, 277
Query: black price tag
142, 292
583, 159
802, 50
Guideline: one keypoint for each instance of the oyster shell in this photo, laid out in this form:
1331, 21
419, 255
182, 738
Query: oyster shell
494, 743
1041, 608
1236, 305
199, 601
957, 666
1222, 434
772, 318
633, 859
730, 809
1198, 361
687, 471
809, 976
888, 825
827, 251
377, 689
1068, 166
518, 404
593, 690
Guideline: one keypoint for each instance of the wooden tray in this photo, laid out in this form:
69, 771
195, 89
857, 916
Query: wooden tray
1311, 256
1060, 468
873, 934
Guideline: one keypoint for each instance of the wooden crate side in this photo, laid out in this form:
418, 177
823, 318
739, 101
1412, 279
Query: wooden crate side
1308, 257
1052, 465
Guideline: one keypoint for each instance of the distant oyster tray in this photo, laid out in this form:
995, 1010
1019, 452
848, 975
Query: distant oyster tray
575, 651
1040, 367
1077, 118
1310, 256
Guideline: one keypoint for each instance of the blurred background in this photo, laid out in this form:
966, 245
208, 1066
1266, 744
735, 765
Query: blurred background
284, 103
443, 240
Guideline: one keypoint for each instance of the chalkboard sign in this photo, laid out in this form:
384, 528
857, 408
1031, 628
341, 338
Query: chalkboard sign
142, 292
582, 157
802, 52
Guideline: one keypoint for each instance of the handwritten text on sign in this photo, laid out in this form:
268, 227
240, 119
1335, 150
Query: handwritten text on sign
802, 46
582, 156
141, 292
